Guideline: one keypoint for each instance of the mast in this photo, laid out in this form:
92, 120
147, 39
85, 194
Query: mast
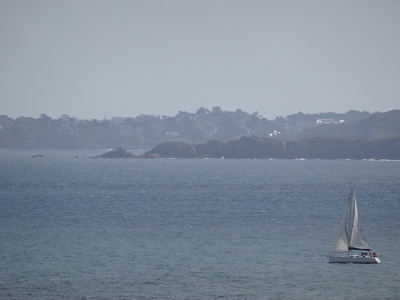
350, 227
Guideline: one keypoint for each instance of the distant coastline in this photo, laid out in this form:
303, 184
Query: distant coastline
266, 148
216, 133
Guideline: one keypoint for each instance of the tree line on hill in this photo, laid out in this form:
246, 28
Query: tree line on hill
148, 131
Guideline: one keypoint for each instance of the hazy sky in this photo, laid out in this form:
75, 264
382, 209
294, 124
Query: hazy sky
88, 58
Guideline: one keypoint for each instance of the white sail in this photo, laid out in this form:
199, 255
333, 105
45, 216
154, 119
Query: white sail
350, 235
341, 243
357, 238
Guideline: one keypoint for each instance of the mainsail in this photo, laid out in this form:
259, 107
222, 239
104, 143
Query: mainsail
350, 235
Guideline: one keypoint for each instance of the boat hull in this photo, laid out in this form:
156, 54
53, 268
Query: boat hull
354, 259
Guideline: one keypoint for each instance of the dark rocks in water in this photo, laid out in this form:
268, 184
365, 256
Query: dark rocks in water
150, 155
37, 156
117, 153
172, 150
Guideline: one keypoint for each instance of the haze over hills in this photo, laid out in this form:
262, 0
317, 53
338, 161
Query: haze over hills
374, 137
377, 126
148, 131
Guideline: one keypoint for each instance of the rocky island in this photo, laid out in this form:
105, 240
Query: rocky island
117, 153
269, 148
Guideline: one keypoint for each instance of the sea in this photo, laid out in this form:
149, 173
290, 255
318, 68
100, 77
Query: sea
76, 227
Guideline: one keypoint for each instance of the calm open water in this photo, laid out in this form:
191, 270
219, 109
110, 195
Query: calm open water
83, 228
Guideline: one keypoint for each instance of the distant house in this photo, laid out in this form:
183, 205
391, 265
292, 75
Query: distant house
68, 124
325, 121
172, 134
274, 133
329, 121
125, 129
210, 129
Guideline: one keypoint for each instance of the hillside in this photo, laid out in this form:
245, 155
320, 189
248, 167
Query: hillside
267, 148
376, 126
147, 131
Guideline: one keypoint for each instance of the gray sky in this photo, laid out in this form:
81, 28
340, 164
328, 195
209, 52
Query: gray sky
88, 58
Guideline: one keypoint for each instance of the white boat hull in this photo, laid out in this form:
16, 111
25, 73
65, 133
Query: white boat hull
354, 259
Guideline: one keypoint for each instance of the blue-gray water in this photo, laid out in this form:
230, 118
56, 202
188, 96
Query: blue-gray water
82, 228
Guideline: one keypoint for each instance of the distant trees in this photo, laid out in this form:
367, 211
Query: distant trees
147, 131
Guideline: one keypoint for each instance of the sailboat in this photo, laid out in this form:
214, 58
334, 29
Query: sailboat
351, 245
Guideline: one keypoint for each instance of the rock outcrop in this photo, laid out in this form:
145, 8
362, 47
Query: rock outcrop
117, 153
